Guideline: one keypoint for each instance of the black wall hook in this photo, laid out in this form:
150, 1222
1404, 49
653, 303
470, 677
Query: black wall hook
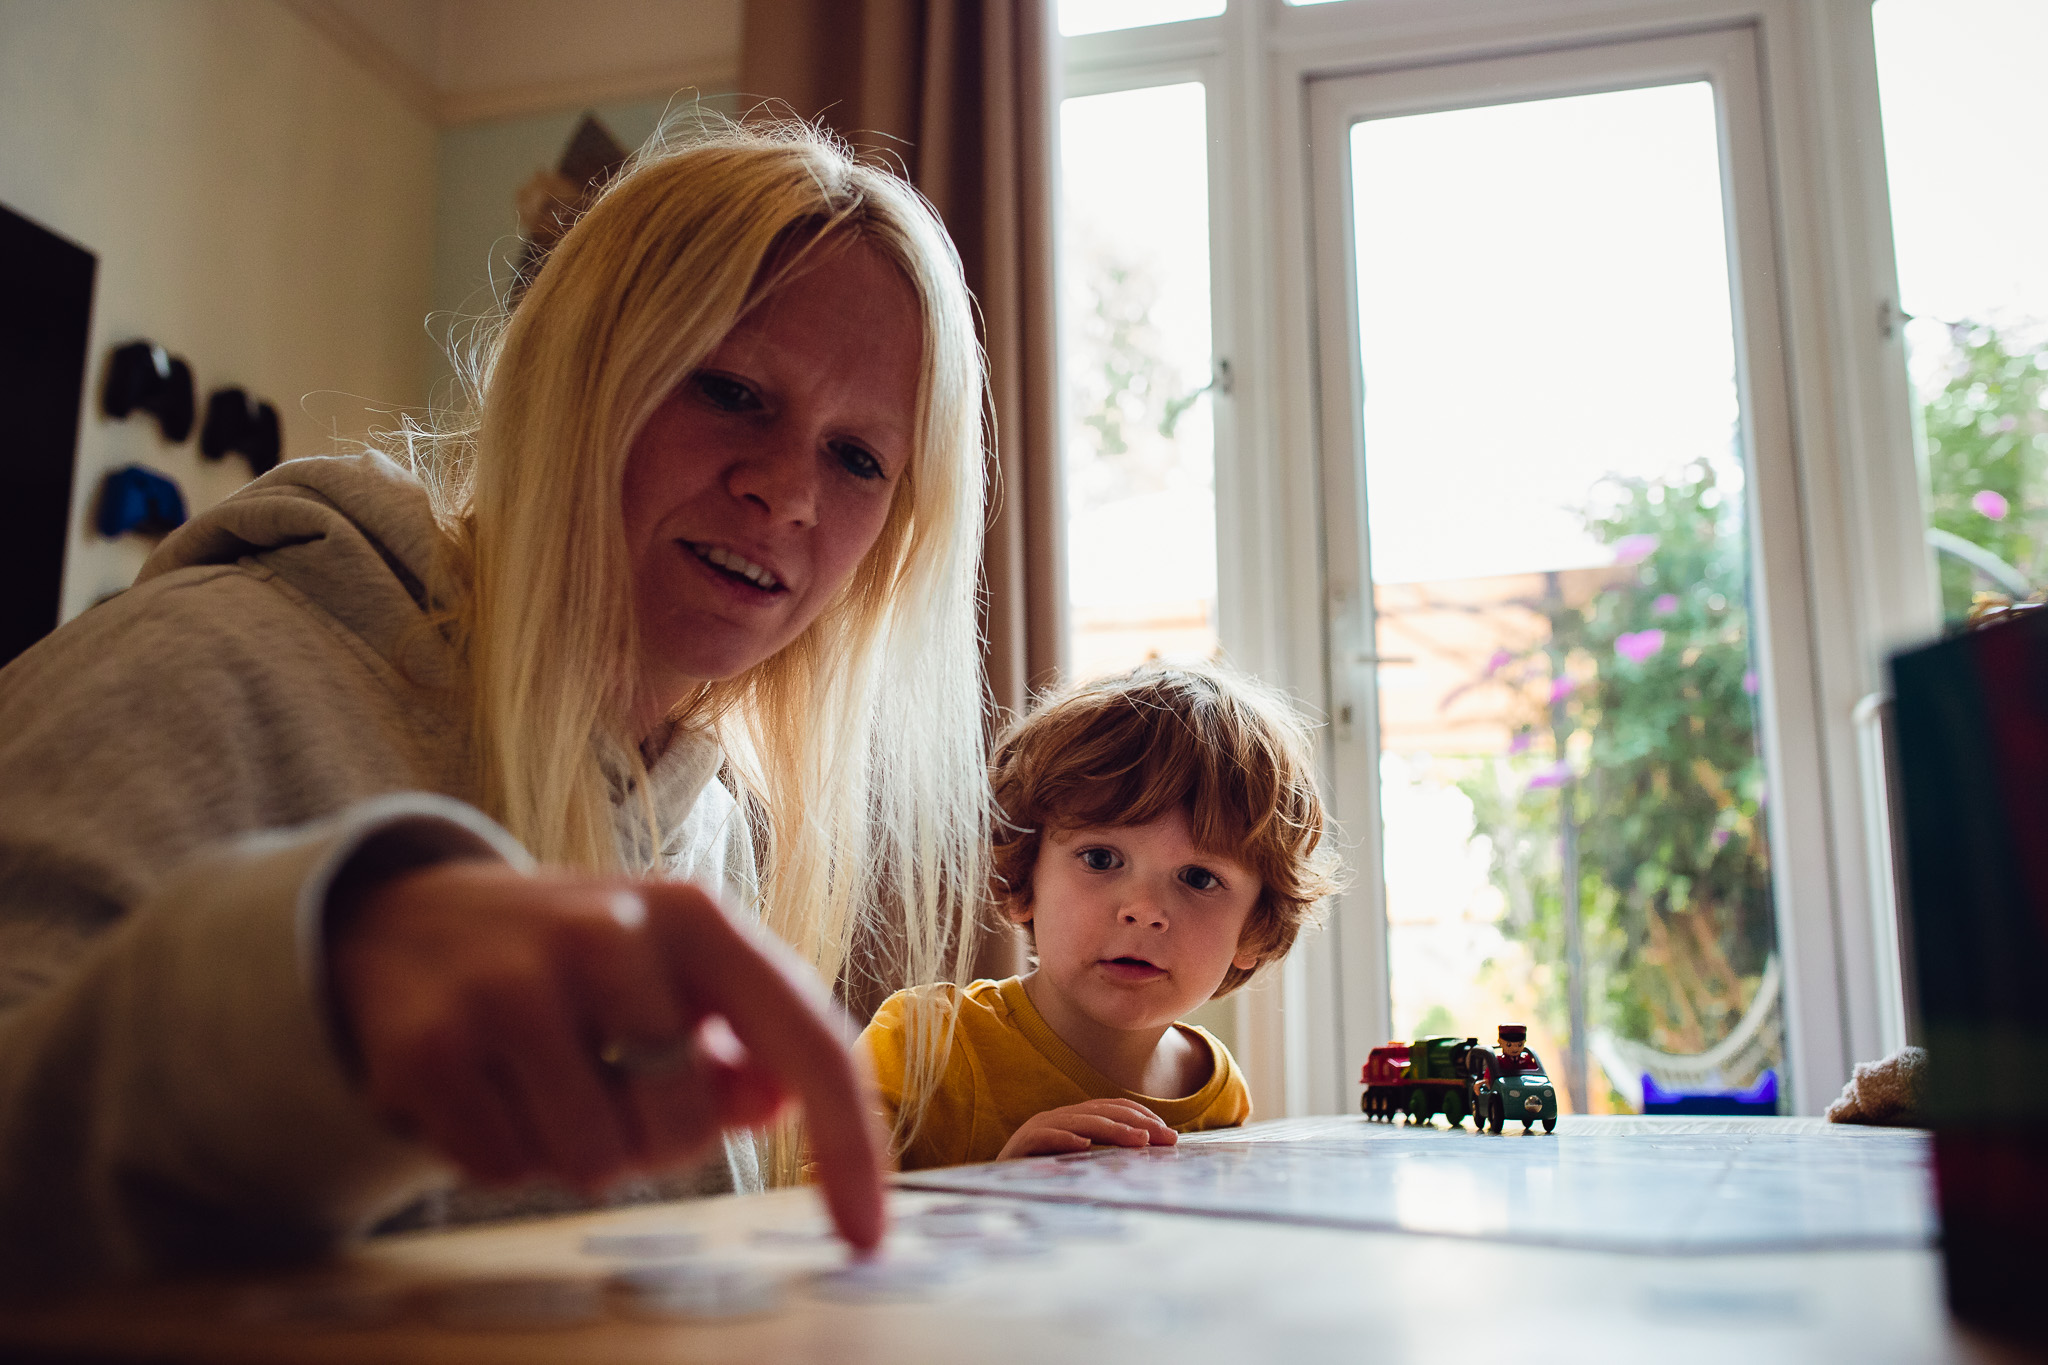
144, 375
235, 421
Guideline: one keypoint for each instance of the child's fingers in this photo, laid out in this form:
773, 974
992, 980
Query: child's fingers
1102, 1128
1035, 1140
1076, 1127
1134, 1114
1060, 1140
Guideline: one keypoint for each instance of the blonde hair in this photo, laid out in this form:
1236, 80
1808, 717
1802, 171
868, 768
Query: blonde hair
1223, 748
857, 748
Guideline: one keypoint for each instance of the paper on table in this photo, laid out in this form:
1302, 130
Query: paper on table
1693, 1186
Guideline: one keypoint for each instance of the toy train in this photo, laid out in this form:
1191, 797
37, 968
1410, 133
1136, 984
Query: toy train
1455, 1077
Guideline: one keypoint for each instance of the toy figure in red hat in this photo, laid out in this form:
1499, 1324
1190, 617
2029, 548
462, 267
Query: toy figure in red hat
1515, 1058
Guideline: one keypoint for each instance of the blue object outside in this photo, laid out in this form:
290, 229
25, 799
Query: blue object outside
1761, 1098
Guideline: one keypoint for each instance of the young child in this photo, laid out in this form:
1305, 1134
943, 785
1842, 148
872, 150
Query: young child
1159, 837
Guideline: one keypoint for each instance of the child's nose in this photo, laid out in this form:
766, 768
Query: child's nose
1145, 910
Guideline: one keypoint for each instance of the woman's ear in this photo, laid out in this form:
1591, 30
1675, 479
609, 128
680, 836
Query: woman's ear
1017, 911
1247, 960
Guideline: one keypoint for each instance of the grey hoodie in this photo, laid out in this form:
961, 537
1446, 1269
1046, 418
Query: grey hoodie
183, 769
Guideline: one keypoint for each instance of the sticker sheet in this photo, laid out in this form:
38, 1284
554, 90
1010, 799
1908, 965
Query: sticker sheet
1613, 1185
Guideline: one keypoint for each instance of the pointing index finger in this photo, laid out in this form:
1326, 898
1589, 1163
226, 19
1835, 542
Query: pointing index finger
777, 1008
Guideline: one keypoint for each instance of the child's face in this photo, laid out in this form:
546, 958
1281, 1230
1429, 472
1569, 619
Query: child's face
1135, 926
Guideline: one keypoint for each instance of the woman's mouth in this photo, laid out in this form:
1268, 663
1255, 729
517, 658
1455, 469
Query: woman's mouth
737, 567
1130, 969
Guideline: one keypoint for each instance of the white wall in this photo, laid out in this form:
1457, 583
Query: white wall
259, 203
476, 222
498, 57
465, 60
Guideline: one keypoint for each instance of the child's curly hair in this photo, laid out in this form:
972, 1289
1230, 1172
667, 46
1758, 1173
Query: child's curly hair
1226, 749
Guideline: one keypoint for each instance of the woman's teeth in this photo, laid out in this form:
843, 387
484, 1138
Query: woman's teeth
737, 565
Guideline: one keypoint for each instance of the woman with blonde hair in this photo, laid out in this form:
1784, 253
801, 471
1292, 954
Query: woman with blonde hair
409, 818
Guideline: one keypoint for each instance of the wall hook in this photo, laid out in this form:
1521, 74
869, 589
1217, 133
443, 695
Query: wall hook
235, 421
144, 375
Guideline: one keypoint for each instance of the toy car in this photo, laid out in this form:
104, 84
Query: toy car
1500, 1095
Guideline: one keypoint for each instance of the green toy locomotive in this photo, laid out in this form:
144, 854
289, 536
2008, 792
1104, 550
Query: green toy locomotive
1455, 1076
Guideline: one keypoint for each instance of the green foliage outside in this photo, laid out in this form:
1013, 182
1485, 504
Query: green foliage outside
1124, 374
1987, 459
1650, 744
1435, 1021
1128, 398
1652, 748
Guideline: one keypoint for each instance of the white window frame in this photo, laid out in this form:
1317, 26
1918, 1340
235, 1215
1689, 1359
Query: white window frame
1867, 581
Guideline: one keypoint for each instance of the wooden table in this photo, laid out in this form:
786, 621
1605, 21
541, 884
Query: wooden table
1167, 1286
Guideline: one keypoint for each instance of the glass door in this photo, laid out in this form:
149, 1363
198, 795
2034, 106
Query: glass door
1960, 78
1568, 631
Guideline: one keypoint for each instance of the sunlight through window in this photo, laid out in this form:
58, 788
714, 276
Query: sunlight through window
1100, 16
1140, 449
1962, 92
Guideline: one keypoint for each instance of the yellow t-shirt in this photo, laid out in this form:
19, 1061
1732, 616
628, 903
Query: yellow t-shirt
1007, 1065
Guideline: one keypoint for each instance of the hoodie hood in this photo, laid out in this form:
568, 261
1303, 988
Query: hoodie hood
355, 534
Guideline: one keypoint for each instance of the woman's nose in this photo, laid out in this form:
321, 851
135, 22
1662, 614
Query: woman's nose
781, 478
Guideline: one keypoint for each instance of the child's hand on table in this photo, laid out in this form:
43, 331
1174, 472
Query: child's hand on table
1077, 1127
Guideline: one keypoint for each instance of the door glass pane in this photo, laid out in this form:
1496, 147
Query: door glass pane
1134, 314
1962, 88
1571, 784
1100, 16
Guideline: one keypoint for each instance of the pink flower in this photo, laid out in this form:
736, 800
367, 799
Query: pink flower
1501, 659
1556, 775
1721, 837
1560, 689
1749, 682
1521, 742
1638, 645
1991, 503
1665, 604
1635, 549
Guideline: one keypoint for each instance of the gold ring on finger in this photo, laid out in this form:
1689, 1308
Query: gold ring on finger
643, 1057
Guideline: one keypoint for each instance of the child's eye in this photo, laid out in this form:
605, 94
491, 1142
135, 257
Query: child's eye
1200, 878
1098, 859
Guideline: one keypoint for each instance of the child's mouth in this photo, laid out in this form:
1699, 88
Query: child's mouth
1131, 969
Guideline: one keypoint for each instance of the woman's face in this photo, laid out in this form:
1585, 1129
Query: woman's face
756, 488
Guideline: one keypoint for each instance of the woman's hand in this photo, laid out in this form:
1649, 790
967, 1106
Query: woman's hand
1077, 1127
586, 1029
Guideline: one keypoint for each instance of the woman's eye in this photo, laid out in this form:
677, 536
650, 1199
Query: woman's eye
722, 391
1200, 878
858, 462
1098, 859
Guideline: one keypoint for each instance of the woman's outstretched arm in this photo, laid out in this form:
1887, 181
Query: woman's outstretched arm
587, 1029
193, 1093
